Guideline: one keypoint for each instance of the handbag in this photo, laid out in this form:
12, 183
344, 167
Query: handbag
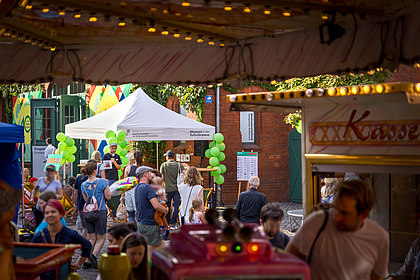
180, 177
121, 212
186, 208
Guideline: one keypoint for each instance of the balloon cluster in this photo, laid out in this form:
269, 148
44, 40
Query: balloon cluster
123, 146
156, 141
215, 155
66, 147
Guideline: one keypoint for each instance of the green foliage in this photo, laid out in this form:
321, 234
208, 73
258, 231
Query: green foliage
149, 151
293, 119
9, 91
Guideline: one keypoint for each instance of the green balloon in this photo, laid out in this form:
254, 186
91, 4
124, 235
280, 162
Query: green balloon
65, 155
211, 144
106, 149
149, 141
112, 140
214, 161
223, 168
219, 179
62, 162
128, 147
207, 153
119, 173
69, 142
123, 143
218, 171
221, 156
61, 137
118, 149
157, 141
62, 146
125, 160
123, 152
72, 158
72, 149
212, 173
121, 134
110, 134
221, 146
218, 137
215, 151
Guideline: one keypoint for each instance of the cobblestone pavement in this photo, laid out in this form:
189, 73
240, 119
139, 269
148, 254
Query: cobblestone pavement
91, 273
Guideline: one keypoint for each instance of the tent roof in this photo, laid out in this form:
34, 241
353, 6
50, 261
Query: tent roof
143, 119
257, 46
11, 133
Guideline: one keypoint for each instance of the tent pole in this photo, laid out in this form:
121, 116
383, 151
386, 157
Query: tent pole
157, 156
23, 184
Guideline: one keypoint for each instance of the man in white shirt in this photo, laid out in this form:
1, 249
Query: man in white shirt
50, 149
345, 243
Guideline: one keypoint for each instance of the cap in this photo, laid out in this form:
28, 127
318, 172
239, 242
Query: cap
169, 153
141, 170
33, 179
50, 168
113, 144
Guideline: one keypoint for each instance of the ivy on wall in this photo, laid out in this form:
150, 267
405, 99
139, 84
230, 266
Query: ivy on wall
9, 91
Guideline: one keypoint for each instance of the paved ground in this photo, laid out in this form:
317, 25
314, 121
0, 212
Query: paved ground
88, 274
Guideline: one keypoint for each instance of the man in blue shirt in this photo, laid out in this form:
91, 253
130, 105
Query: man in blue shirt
146, 205
248, 207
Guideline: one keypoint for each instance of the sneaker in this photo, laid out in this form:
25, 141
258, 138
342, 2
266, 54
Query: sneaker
173, 227
86, 265
93, 261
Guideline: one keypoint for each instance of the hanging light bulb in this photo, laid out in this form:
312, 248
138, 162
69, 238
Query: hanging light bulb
211, 41
52, 48
287, 12
93, 17
27, 39
200, 39
23, 3
267, 10
222, 43
247, 9
188, 37
176, 33
165, 31
77, 14
185, 3
7, 33
28, 6
61, 11
121, 22
45, 8
228, 6
324, 15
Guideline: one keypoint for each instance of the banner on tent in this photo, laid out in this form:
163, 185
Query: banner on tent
168, 134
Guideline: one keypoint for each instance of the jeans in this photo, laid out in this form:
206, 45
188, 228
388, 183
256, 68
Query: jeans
175, 196
131, 217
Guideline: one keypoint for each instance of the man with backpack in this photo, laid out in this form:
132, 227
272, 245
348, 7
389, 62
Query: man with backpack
342, 242
171, 170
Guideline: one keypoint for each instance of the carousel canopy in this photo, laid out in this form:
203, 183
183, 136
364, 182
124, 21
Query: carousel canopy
202, 41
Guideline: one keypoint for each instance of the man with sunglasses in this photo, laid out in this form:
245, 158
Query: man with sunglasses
342, 242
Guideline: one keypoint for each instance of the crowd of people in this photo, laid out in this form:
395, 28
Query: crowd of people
338, 242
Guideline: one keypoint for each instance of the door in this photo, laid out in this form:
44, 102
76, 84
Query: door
295, 167
44, 124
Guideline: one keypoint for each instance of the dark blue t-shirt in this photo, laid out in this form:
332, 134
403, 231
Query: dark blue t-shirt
77, 185
145, 211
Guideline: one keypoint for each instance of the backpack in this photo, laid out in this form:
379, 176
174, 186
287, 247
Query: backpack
91, 208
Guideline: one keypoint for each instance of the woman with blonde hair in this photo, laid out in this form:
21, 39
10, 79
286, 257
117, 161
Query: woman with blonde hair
190, 189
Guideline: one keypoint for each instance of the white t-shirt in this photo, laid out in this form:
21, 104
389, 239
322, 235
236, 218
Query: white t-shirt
344, 255
184, 191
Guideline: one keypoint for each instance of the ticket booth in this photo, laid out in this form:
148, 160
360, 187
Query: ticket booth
370, 131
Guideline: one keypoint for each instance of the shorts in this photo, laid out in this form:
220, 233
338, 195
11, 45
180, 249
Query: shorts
98, 226
152, 233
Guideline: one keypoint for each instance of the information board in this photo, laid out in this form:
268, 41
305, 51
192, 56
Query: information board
247, 165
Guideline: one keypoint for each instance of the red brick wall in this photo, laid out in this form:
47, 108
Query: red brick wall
405, 74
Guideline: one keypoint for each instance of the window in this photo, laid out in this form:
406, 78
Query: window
42, 123
247, 126
69, 114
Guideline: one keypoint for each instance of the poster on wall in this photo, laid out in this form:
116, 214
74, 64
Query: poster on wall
247, 165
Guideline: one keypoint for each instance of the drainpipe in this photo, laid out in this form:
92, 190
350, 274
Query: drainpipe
217, 186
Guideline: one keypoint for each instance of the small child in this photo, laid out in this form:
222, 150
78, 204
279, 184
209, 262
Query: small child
160, 218
196, 212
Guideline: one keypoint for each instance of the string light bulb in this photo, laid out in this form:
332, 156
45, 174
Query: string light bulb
287, 12
93, 17
176, 33
185, 3
188, 37
165, 31
211, 41
52, 48
200, 39
267, 10
222, 43
228, 6
45, 10
324, 15
77, 14
121, 22
61, 11
247, 8
28, 6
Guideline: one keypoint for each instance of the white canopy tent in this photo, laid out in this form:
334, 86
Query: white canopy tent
142, 119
